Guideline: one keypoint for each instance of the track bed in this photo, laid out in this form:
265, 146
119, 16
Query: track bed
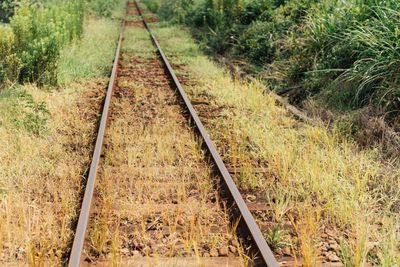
155, 201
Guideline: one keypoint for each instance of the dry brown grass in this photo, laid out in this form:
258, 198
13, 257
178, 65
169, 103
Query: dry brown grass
41, 176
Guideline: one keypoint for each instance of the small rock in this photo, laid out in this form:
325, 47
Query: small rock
330, 233
332, 257
181, 221
229, 236
324, 247
136, 253
137, 244
178, 242
193, 192
124, 251
213, 252
234, 243
233, 249
151, 243
332, 242
286, 251
278, 252
334, 246
146, 250
151, 226
251, 198
187, 254
223, 251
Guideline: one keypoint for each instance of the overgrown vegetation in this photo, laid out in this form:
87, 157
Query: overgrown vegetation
30, 45
346, 53
46, 133
34, 39
314, 178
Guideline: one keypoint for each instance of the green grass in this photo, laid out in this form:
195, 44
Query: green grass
136, 42
92, 55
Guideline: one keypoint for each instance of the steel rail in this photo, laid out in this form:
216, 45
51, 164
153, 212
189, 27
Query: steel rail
263, 249
79, 238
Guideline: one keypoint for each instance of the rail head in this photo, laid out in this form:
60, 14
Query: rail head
263, 249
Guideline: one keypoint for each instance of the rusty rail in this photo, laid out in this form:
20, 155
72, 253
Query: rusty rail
80, 233
262, 248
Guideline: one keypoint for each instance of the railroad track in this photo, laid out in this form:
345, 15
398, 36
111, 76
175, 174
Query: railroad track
151, 194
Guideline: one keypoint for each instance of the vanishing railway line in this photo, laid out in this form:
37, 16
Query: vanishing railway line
151, 197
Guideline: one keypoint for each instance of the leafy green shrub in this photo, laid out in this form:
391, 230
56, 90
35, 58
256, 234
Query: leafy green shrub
39, 36
257, 43
101, 7
9, 62
6, 9
29, 114
153, 5
175, 10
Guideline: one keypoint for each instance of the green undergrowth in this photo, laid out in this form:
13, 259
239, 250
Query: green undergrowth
91, 56
320, 179
86, 58
32, 43
136, 42
336, 56
46, 135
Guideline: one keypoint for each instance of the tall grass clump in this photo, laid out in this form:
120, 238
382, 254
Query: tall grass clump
375, 71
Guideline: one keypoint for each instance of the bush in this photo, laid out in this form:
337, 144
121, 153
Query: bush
101, 8
6, 9
9, 62
37, 36
257, 43
376, 68
29, 114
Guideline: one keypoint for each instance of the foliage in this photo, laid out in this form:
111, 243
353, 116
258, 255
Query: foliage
92, 55
101, 7
31, 115
39, 36
6, 9
9, 62
341, 50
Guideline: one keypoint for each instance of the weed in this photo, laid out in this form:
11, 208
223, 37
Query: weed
276, 237
29, 114
85, 58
